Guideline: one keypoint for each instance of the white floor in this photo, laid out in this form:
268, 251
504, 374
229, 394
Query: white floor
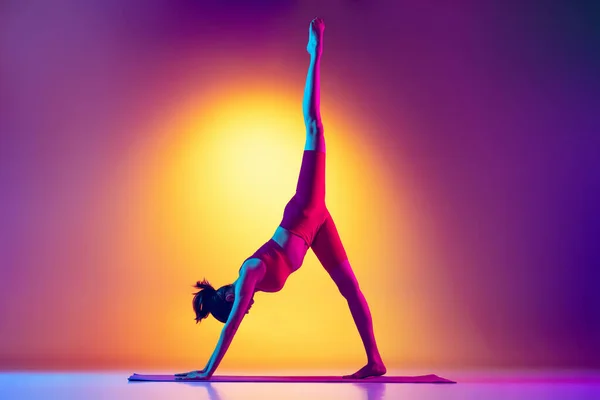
513, 385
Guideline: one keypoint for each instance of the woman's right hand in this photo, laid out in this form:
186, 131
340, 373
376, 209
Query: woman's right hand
183, 374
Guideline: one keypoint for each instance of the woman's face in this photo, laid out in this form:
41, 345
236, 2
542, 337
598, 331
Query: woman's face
230, 296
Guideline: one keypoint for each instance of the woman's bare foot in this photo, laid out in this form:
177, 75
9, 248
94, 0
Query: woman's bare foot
371, 369
315, 37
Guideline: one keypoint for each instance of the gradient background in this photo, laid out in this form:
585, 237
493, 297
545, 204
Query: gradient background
147, 144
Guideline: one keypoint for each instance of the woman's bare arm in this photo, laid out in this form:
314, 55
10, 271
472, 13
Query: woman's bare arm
244, 291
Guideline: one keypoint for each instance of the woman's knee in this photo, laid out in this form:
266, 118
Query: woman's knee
315, 143
314, 127
345, 280
315, 138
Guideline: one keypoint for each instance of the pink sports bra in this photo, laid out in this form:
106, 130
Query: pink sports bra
278, 265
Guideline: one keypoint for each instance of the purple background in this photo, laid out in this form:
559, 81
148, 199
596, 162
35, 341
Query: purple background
502, 101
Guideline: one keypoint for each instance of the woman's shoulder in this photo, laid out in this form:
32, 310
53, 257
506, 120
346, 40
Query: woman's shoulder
253, 266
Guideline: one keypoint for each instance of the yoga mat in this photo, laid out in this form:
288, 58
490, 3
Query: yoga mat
296, 379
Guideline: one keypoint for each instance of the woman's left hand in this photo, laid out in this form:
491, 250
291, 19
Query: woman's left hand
195, 375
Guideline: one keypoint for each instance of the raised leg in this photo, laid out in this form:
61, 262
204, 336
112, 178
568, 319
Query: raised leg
330, 251
306, 210
312, 90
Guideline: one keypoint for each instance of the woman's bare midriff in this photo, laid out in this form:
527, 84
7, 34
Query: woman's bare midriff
293, 246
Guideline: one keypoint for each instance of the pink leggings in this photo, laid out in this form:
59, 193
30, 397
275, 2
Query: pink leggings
306, 214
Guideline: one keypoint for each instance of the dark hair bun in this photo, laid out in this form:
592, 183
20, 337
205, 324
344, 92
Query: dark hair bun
203, 299
205, 285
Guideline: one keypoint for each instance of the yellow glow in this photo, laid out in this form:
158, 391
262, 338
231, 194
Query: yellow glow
212, 189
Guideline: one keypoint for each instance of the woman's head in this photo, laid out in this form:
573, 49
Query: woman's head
216, 302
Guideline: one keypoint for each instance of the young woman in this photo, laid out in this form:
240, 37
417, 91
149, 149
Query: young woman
306, 224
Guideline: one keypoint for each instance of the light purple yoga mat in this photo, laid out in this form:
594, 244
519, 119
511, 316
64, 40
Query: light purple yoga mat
297, 379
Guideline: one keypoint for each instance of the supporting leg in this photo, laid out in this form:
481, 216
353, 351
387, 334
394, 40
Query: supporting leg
330, 251
344, 278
